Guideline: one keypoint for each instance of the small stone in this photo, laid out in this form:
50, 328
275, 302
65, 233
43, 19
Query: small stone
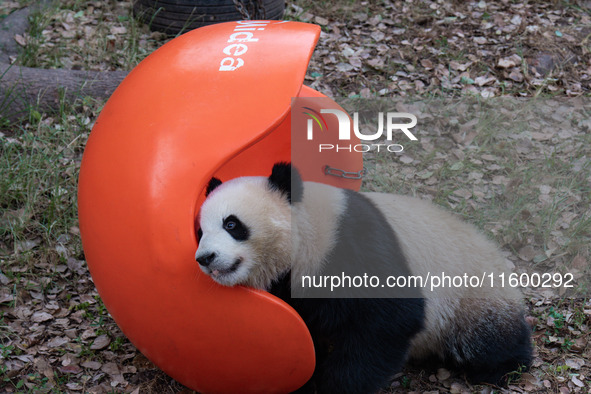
443, 374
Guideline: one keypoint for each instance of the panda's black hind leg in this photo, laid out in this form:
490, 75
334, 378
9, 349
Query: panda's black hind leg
494, 357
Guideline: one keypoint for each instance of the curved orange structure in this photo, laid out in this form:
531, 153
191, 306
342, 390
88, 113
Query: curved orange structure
215, 101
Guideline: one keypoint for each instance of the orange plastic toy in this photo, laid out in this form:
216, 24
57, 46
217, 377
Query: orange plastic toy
215, 101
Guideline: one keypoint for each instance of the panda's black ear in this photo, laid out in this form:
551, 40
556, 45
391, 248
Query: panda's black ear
297, 186
287, 180
213, 183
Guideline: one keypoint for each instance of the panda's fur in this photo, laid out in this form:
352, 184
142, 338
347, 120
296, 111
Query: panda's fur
266, 232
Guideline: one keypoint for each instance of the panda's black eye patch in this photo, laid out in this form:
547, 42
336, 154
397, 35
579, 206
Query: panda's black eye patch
199, 235
236, 228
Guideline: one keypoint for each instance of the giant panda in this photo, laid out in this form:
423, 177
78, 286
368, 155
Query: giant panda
269, 232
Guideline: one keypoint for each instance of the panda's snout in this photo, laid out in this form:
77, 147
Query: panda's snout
205, 259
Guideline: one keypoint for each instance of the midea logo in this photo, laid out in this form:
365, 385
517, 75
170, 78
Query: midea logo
243, 33
345, 130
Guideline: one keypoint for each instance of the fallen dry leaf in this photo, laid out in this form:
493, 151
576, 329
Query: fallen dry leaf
510, 61
101, 342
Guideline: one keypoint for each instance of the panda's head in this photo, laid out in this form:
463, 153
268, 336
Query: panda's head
245, 228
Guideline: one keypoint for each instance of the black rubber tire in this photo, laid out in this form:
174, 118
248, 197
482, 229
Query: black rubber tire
178, 16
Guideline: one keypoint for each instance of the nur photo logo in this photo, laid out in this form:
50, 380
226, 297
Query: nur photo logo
389, 123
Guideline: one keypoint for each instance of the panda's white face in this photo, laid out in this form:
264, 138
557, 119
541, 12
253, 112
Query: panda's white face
245, 233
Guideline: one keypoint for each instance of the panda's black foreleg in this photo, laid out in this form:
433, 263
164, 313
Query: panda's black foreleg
358, 366
360, 343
